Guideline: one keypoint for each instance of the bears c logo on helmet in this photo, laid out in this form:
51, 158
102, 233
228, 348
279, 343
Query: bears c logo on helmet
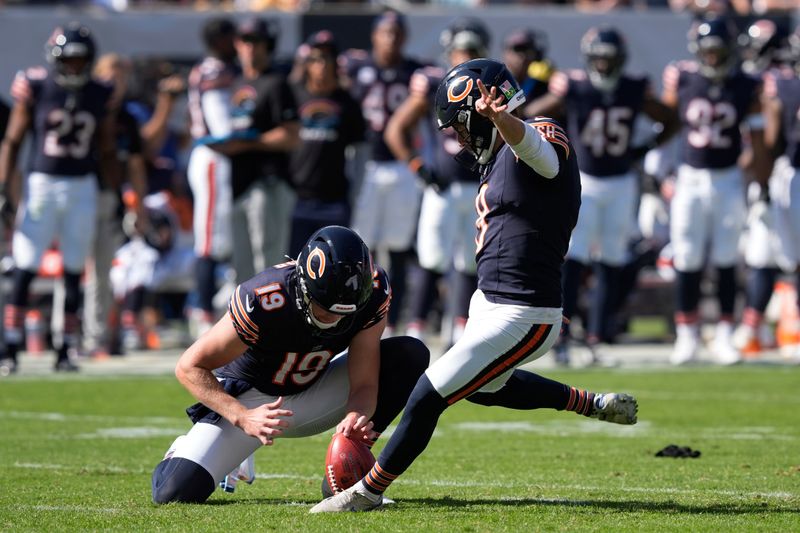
316, 252
467, 83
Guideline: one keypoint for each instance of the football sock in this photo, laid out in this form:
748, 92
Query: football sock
688, 291
760, 283
12, 327
726, 292
377, 480
411, 437
603, 303
525, 390
397, 277
206, 284
571, 274
72, 296
580, 401
423, 294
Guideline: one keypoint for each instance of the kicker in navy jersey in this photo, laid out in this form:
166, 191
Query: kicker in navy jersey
524, 224
520, 321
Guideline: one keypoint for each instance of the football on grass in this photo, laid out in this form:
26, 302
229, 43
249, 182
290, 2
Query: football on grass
346, 462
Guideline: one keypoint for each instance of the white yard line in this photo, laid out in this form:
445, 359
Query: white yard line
775, 495
132, 433
568, 428
64, 508
62, 417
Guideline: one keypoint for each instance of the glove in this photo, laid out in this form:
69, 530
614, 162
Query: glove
427, 175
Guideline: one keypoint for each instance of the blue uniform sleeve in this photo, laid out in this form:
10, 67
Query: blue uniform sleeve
242, 310
381, 298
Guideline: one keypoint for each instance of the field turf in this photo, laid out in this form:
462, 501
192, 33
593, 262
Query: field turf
76, 454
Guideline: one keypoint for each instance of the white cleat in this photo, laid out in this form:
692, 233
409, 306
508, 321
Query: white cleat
352, 500
744, 336
616, 408
687, 344
723, 348
246, 472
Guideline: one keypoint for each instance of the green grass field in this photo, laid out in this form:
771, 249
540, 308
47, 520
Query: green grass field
76, 453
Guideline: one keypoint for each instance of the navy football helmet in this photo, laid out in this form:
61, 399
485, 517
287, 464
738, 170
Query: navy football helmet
712, 41
455, 106
466, 34
334, 270
605, 52
65, 44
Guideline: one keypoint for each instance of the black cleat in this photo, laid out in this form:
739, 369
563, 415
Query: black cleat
65, 365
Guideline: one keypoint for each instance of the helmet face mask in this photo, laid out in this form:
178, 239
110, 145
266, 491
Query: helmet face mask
334, 273
605, 53
71, 51
455, 106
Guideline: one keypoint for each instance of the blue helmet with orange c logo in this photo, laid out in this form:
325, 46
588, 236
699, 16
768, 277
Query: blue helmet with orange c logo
455, 105
334, 270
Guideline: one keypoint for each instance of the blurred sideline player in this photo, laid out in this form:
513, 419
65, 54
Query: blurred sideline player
269, 368
715, 100
774, 236
602, 104
387, 205
527, 204
763, 46
264, 112
158, 258
209, 172
524, 53
73, 135
331, 120
98, 311
447, 216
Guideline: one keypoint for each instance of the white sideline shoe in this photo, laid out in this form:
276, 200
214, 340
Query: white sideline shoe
686, 345
723, 348
744, 336
615, 407
351, 500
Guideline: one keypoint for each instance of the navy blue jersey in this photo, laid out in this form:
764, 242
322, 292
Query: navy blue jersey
380, 91
598, 122
283, 356
65, 122
711, 113
787, 90
440, 146
525, 222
